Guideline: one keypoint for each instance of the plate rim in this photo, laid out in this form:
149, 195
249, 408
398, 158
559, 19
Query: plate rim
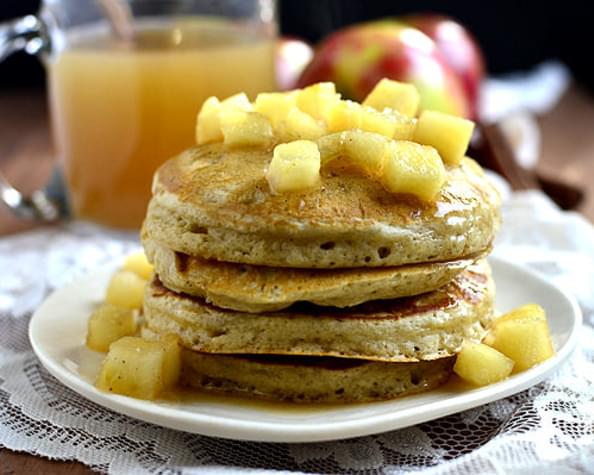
297, 431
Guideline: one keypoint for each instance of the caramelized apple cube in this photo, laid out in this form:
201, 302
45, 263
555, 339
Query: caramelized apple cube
413, 168
530, 311
366, 150
208, 128
300, 125
171, 359
388, 123
400, 97
344, 115
125, 289
449, 134
139, 264
295, 166
318, 99
275, 106
107, 324
245, 129
331, 146
480, 364
527, 342
139, 368
239, 101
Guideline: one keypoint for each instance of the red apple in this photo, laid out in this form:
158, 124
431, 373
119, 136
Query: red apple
292, 55
459, 49
357, 57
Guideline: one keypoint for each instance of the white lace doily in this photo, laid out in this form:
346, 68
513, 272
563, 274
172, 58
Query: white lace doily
546, 429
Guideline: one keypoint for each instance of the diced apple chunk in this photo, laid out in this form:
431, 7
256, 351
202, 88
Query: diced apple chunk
480, 364
245, 129
318, 99
366, 150
530, 311
139, 264
300, 125
449, 134
344, 115
107, 324
331, 147
405, 129
208, 128
239, 101
413, 168
275, 106
171, 359
527, 342
401, 97
295, 166
139, 368
389, 123
125, 289
208, 125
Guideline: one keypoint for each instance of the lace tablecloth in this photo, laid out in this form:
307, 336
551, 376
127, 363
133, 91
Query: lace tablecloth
546, 429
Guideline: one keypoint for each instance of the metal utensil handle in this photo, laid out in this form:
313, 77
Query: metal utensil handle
25, 34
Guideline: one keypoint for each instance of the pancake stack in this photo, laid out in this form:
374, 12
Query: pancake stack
342, 293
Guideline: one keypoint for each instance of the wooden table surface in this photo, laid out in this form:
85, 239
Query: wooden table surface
26, 159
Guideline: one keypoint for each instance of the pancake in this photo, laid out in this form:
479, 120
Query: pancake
248, 288
216, 204
304, 379
426, 327
310, 380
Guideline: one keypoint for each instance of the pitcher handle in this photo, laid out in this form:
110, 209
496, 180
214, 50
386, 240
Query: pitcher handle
25, 34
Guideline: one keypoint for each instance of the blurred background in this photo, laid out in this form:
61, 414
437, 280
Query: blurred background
514, 35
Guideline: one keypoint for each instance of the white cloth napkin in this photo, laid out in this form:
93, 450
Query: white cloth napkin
546, 429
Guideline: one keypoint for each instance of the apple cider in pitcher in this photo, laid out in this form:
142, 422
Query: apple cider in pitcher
119, 110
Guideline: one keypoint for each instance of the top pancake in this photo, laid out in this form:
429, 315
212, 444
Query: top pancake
215, 203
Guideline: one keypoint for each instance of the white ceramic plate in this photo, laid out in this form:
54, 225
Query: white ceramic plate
57, 332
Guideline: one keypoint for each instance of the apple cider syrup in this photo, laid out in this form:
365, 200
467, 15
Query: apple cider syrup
120, 110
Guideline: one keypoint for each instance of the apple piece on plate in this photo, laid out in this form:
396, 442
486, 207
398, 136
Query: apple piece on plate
529, 311
414, 169
480, 364
107, 324
140, 368
125, 289
295, 166
398, 96
245, 129
449, 134
526, 341
139, 264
